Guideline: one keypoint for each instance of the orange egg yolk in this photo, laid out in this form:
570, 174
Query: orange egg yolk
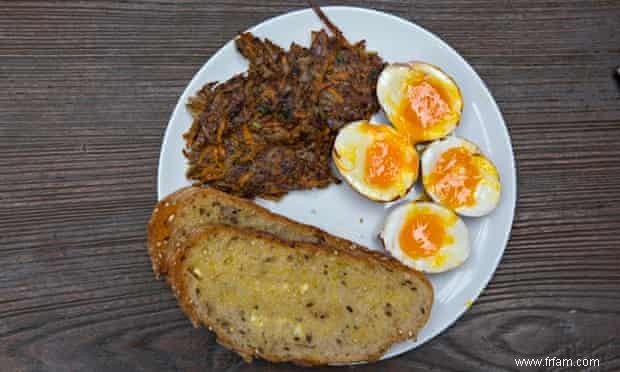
422, 109
384, 161
455, 177
423, 234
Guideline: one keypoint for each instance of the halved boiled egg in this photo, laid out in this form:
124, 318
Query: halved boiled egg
420, 100
375, 160
458, 176
426, 236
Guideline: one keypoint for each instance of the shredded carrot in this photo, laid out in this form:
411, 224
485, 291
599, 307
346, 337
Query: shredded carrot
270, 130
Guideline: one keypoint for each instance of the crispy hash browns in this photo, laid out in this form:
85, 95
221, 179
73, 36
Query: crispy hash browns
270, 130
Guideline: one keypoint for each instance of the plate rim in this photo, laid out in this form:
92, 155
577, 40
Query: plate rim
513, 196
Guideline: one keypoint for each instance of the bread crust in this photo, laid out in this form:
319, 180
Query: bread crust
180, 290
159, 227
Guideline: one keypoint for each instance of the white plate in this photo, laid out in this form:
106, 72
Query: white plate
341, 211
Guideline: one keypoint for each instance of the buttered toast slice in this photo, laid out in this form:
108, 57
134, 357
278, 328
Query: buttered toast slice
175, 216
298, 302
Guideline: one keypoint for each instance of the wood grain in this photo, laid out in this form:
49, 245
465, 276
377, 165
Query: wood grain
86, 89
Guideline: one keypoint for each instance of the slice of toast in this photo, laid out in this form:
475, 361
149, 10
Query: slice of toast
175, 216
298, 302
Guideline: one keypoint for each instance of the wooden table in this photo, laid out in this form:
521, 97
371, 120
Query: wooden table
86, 90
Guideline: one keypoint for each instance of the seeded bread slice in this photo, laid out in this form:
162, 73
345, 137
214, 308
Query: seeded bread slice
304, 303
177, 215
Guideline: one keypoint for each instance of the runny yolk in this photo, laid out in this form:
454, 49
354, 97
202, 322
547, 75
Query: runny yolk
423, 234
422, 109
426, 104
455, 177
384, 161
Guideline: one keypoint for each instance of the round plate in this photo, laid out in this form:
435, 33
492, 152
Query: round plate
340, 210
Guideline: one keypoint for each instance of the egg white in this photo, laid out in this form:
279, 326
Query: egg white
487, 194
446, 258
350, 159
389, 86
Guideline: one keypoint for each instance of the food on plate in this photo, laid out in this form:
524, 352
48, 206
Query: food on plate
277, 289
315, 299
270, 130
304, 303
421, 100
426, 236
376, 160
456, 175
177, 215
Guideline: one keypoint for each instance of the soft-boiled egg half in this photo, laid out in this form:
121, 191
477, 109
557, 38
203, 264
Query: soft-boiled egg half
426, 236
421, 100
456, 175
375, 160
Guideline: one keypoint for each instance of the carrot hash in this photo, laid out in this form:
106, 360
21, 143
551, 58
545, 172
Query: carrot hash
270, 130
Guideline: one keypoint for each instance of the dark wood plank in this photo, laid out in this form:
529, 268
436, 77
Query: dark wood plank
86, 89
